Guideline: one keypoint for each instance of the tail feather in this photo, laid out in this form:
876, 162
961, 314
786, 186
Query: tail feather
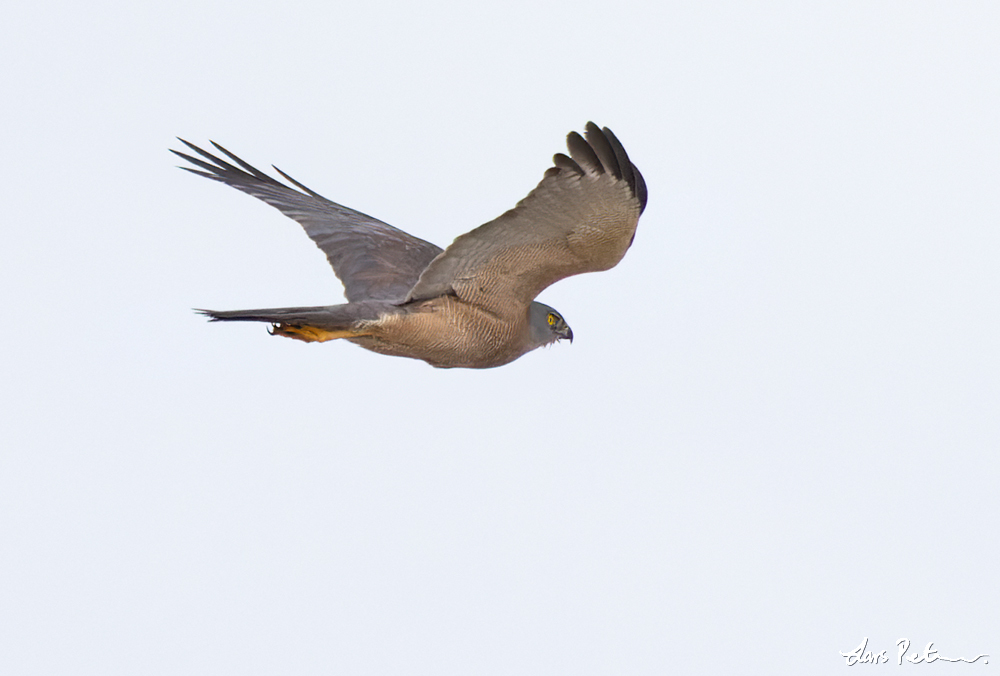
310, 324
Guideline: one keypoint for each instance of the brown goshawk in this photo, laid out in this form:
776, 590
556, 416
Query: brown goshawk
470, 305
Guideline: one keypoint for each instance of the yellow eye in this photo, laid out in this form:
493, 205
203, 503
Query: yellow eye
552, 319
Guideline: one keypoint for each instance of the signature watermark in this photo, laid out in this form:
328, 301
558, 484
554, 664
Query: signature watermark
861, 655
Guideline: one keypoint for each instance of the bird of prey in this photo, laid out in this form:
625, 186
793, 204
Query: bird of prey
470, 305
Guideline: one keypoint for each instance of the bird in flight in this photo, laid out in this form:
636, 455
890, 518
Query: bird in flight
471, 305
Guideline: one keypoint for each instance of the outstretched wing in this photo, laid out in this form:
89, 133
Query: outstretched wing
580, 218
374, 260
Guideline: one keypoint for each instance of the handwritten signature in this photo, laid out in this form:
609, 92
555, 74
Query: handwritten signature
861, 655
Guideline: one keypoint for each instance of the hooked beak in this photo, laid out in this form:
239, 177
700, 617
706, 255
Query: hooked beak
567, 335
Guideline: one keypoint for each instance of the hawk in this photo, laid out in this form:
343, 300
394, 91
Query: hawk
471, 305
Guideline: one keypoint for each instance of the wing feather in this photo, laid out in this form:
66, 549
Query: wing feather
580, 218
583, 153
374, 260
599, 142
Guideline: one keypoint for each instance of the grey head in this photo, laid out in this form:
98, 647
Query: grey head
547, 325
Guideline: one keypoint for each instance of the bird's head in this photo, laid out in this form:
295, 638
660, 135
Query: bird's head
547, 325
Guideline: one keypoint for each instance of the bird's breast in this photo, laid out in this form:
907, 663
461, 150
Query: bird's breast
448, 332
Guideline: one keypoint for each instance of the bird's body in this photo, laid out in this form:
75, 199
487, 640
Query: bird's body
448, 332
471, 305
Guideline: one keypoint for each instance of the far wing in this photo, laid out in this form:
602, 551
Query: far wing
581, 218
374, 260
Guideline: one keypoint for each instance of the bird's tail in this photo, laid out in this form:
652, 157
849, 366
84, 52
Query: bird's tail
310, 324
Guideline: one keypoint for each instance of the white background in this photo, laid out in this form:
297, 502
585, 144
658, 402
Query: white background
776, 433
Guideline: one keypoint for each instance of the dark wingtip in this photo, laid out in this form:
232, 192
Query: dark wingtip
640, 189
239, 175
298, 185
615, 160
583, 154
563, 162
599, 142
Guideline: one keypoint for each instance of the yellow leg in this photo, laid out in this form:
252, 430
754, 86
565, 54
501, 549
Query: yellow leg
311, 334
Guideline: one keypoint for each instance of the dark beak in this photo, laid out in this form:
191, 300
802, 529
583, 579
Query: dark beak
568, 334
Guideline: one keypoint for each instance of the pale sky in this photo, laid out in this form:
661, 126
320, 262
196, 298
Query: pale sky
775, 434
